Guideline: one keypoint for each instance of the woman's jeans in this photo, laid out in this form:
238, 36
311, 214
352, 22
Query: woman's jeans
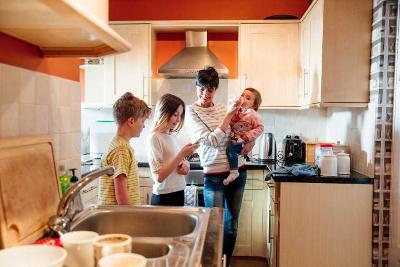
216, 194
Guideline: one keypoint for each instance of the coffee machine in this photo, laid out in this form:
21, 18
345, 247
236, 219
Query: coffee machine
294, 150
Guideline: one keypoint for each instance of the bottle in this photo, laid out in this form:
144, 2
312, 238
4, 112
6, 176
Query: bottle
65, 179
77, 201
74, 178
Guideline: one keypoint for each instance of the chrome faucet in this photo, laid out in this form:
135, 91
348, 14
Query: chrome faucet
61, 221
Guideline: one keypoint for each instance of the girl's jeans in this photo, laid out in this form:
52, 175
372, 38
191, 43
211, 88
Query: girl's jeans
216, 194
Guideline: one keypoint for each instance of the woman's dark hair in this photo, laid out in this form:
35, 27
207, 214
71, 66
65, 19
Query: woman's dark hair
166, 107
207, 78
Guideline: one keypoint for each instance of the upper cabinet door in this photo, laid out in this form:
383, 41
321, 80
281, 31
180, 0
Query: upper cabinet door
269, 62
335, 53
130, 71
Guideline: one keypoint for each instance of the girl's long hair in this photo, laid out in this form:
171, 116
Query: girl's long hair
165, 108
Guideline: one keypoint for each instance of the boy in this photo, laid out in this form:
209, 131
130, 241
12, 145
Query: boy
122, 188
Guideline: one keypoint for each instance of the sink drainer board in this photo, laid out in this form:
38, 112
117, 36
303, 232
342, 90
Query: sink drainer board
166, 236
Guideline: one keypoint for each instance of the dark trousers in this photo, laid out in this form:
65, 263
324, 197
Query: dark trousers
170, 199
232, 151
229, 197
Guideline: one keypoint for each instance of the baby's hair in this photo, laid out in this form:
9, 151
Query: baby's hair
128, 106
166, 107
257, 97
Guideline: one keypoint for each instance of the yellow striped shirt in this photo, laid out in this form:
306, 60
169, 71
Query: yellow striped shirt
121, 156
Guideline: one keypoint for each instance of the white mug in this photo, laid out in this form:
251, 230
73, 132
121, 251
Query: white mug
123, 259
79, 246
105, 245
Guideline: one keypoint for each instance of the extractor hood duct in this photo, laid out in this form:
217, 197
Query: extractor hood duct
194, 57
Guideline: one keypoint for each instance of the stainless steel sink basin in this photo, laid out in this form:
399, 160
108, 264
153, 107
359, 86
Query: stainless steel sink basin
142, 222
166, 236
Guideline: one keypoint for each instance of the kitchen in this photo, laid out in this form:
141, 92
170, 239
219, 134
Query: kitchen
335, 123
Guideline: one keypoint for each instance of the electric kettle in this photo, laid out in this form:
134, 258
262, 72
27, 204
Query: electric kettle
267, 151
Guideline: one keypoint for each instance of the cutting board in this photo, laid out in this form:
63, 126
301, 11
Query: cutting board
29, 190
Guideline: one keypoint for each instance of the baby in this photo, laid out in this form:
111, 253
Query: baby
246, 126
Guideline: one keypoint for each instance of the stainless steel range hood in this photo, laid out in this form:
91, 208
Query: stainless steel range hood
194, 57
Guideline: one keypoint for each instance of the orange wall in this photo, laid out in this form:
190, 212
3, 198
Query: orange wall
203, 10
25, 55
223, 45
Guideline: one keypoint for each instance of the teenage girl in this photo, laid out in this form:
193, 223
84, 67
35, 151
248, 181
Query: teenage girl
167, 161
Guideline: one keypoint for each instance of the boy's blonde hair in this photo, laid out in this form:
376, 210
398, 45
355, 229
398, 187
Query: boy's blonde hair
166, 107
257, 97
128, 106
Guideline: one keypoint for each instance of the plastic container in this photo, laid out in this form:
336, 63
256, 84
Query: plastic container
322, 150
65, 180
343, 163
328, 165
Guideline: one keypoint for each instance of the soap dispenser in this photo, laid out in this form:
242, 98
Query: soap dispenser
65, 180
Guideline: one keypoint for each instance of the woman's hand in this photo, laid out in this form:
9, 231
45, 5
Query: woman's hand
183, 168
247, 147
188, 149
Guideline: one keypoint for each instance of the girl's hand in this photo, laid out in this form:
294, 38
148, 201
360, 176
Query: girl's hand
247, 147
183, 169
188, 149
235, 105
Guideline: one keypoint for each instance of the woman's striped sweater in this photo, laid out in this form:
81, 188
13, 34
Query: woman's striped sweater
203, 123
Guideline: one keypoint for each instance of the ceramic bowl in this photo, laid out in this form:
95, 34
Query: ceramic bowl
33, 256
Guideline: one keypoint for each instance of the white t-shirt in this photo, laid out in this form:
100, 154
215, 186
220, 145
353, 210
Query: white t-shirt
163, 148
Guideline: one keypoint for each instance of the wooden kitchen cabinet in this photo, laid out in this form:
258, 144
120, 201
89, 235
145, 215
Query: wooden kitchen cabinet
252, 230
117, 74
146, 186
324, 225
269, 62
335, 45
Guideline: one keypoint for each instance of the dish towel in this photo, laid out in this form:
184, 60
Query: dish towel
191, 196
302, 169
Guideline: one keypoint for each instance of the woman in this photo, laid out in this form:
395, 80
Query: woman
208, 125
166, 159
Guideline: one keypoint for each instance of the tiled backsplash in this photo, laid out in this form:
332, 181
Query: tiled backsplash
349, 126
33, 103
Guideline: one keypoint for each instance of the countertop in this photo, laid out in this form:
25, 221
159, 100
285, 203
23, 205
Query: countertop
352, 178
250, 165
212, 250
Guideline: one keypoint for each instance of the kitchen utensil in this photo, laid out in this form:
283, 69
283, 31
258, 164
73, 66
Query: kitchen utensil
123, 259
33, 256
108, 244
343, 163
79, 245
267, 150
29, 189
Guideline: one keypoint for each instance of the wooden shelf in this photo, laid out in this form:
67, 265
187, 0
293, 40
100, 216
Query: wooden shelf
60, 27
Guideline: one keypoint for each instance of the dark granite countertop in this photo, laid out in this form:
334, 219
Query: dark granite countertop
352, 178
212, 250
196, 166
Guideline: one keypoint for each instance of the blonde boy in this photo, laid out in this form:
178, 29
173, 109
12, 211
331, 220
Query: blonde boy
122, 188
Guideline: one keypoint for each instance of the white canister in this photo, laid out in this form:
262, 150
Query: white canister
328, 165
343, 163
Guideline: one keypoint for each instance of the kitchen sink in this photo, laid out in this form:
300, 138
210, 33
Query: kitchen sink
140, 222
166, 236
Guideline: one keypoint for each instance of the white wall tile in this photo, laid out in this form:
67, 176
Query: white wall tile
28, 84
9, 119
54, 119
42, 119
64, 95
57, 146
42, 89
65, 119
10, 84
65, 146
27, 119
54, 91
76, 119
